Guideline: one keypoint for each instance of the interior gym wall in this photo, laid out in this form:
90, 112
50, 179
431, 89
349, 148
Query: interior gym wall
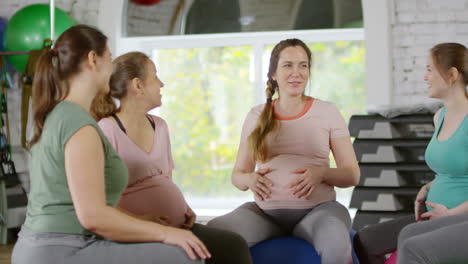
415, 27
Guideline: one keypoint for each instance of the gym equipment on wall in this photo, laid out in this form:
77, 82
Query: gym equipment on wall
28, 28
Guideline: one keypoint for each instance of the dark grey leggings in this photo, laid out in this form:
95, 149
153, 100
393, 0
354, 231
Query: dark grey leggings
373, 242
225, 247
441, 241
325, 226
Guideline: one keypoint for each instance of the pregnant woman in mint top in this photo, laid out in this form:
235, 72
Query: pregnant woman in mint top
76, 175
142, 142
289, 140
440, 239
446, 154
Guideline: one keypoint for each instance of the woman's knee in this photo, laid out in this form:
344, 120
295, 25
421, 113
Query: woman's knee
336, 253
408, 232
236, 241
410, 251
220, 222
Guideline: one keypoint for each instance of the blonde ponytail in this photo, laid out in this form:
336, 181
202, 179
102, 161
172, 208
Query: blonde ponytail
103, 106
266, 124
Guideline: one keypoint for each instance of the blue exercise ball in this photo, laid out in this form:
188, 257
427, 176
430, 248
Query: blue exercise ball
290, 250
282, 250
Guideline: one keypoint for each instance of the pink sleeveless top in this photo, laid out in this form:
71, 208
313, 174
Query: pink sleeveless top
150, 187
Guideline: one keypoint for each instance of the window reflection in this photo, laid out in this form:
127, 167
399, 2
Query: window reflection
178, 17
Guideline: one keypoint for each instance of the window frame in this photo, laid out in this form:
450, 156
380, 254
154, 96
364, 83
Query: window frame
112, 22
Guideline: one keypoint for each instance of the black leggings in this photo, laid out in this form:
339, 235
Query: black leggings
225, 247
373, 242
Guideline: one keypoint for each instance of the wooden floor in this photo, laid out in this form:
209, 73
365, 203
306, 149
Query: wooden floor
5, 253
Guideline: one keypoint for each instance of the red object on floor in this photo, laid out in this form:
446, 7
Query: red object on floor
146, 2
392, 259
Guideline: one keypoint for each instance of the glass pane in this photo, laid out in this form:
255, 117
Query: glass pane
207, 94
337, 75
179, 17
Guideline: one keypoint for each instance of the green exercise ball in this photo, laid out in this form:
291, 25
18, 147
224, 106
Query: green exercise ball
29, 27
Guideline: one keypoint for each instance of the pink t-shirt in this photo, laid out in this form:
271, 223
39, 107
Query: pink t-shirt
150, 187
299, 142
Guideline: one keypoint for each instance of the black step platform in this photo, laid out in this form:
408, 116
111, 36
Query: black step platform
390, 151
395, 175
384, 199
365, 218
376, 126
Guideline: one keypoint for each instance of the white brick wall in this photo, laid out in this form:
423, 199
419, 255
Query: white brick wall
418, 25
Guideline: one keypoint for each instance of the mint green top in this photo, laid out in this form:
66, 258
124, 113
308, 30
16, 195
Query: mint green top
449, 160
50, 206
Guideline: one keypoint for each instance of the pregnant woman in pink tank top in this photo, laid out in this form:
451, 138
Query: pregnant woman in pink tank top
143, 143
283, 159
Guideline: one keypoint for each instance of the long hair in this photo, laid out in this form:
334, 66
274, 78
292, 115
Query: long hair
267, 123
125, 68
448, 55
55, 67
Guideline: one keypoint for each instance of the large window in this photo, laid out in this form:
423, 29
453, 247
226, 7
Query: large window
213, 60
207, 94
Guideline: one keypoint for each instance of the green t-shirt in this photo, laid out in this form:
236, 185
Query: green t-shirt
50, 206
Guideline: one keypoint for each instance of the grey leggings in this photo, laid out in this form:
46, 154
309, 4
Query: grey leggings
441, 241
325, 226
45, 248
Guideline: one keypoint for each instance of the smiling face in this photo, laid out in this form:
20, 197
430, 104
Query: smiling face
437, 86
292, 72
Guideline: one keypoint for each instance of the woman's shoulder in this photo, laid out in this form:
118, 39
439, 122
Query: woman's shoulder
68, 115
438, 114
106, 123
158, 121
322, 105
256, 110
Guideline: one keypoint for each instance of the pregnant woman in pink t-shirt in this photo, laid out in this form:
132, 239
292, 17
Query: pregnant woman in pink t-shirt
289, 140
142, 142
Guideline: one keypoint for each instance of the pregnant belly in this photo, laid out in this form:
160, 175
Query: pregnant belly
156, 196
282, 173
448, 191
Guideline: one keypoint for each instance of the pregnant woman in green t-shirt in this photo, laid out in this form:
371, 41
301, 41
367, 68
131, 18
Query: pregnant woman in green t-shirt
76, 175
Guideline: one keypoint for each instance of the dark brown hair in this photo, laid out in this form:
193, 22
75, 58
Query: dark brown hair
125, 68
56, 66
267, 122
448, 55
